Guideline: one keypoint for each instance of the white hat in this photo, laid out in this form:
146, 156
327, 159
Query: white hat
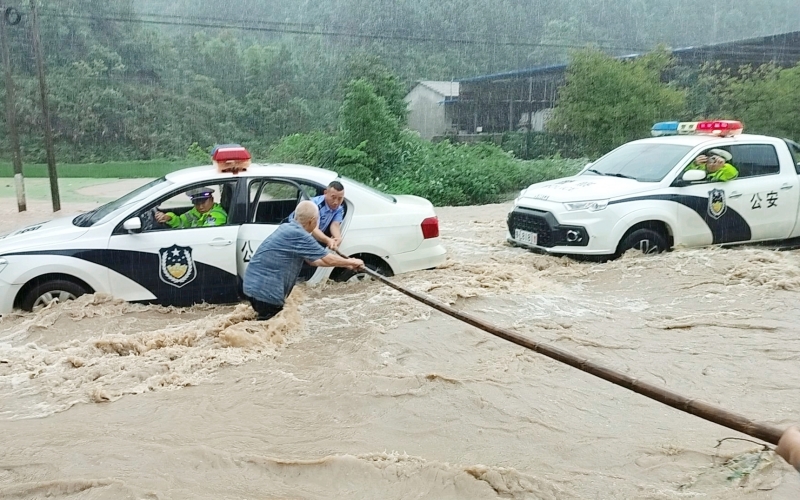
721, 153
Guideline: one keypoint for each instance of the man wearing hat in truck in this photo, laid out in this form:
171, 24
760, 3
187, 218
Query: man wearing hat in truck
204, 213
716, 163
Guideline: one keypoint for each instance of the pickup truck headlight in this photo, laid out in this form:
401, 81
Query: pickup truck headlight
592, 206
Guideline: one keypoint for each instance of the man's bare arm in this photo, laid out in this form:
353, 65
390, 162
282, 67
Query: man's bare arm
336, 230
789, 446
336, 236
319, 236
333, 260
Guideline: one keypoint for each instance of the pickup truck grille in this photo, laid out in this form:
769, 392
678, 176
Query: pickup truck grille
549, 233
533, 221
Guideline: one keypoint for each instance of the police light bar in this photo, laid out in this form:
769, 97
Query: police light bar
664, 128
687, 128
673, 128
230, 158
722, 128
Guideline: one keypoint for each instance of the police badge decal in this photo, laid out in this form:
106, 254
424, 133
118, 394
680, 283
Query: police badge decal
716, 203
176, 265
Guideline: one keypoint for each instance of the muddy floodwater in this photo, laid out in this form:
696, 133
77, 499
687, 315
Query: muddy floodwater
357, 392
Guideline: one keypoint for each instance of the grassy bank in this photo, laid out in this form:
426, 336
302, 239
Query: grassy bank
71, 189
110, 170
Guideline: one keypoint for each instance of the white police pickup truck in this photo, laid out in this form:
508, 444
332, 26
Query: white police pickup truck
641, 195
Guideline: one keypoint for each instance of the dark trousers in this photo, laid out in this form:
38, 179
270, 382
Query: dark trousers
265, 311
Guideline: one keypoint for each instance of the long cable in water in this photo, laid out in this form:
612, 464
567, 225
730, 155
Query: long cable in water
706, 411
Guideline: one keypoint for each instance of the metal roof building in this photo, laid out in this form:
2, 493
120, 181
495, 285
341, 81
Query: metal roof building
522, 99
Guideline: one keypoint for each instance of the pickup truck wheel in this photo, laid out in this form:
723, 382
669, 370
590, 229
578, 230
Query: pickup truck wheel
647, 241
55, 290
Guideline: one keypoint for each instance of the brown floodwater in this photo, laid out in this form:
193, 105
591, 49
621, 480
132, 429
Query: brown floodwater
355, 391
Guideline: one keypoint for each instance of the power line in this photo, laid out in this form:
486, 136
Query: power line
309, 29
317, 30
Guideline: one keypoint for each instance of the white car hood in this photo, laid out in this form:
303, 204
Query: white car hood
52, 232
585, 188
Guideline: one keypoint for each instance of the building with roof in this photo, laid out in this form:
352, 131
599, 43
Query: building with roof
523, 99
430, 106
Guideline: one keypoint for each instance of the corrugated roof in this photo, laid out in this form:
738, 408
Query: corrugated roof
758, 50
519, 73
447, 89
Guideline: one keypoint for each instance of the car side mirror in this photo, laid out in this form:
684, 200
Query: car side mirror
694, 175
133, 225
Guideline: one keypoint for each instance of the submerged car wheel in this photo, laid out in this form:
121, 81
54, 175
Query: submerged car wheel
49, 291
346, 275
646, 240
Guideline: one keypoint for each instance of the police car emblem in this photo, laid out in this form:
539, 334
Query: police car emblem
716, 203
176, 265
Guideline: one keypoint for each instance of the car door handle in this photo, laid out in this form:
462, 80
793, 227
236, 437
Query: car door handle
735, 194
219, 242
787, 186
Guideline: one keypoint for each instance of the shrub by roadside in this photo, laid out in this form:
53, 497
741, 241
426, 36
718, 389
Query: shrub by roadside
444, 173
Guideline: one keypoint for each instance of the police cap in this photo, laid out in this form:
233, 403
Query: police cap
200, 193
721, 153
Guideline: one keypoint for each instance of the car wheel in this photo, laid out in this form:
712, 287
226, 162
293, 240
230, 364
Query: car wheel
56, 290
647, 241
346, 275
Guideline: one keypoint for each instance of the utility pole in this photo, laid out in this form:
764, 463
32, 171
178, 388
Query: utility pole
48, 132
11, 113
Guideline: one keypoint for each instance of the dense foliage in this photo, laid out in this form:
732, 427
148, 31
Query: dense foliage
371, 147
765, 98
146, 79
608, 102
323, 83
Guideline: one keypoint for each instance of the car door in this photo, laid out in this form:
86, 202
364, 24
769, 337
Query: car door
180, 266
271, 201
755, 206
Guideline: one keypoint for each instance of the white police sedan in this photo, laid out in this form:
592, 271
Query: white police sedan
121, 249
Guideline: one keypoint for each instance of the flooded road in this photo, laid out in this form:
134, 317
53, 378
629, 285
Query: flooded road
355, 391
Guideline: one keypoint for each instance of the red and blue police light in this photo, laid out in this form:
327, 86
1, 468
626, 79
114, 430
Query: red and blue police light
720, 128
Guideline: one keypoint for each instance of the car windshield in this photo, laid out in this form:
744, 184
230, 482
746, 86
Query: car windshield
370, 189
644, 162
108, 210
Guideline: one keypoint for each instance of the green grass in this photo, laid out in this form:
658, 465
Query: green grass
70, 189
110, 170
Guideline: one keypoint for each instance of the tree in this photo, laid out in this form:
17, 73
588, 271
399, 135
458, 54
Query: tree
609, 102
367, 124
384, 83
764, 99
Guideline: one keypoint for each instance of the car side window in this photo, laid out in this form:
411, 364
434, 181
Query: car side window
311, 190
272, 201
794, 148
752, 160
212, 202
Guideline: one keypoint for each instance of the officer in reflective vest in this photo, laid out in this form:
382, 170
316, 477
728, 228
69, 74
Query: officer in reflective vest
204, 212
715, 163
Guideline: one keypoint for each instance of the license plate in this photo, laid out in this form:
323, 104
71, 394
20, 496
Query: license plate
525, 237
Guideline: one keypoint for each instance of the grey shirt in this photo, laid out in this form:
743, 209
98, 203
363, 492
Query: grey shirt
273, 270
